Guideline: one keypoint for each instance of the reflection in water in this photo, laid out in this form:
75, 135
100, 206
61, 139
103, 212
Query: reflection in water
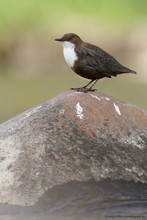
85, 200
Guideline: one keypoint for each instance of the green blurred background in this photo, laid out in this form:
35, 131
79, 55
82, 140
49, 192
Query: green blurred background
32, 68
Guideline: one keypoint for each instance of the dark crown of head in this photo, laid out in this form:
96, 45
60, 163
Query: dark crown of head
71, 37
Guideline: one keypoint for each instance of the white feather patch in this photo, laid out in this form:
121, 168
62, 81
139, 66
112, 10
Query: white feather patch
69, 53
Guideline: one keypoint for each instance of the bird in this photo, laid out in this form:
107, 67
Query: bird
89, 61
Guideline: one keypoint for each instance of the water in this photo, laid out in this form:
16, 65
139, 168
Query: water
85, 200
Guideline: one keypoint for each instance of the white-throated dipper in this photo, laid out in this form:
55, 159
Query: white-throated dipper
89, 61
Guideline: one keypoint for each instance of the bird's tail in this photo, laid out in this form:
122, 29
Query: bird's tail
132, 71
127, 70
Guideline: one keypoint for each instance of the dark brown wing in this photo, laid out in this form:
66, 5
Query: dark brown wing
96, 58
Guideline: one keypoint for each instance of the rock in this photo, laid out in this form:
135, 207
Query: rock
73, 137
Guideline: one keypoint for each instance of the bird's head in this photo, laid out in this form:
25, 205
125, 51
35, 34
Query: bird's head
70, 37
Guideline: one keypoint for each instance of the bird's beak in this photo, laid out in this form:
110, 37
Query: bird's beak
58, 39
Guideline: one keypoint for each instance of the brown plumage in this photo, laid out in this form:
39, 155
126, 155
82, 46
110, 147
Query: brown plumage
90, 61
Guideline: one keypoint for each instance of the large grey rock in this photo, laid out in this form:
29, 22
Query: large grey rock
73, 137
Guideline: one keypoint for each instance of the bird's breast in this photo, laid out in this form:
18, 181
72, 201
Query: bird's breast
69, 53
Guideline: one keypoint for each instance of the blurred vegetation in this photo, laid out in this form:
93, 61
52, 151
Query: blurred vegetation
32, 68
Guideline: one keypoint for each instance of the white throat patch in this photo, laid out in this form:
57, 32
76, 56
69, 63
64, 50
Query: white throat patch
69, 53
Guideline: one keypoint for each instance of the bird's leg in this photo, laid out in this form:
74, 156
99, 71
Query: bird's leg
88, 84
90, 88
84, 88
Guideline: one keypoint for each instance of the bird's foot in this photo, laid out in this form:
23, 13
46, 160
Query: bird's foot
83, 89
